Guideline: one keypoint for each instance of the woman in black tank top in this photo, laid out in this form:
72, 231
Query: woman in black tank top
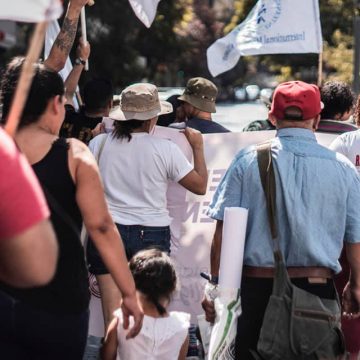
68, 292
64, 301
51, 322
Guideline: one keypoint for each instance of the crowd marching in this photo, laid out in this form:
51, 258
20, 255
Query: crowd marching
101, 167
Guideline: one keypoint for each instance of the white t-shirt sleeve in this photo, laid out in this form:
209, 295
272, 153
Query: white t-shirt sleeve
96, 144
339, 145
178, 165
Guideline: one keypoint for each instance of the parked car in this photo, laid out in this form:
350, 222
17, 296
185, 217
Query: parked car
166, 92
266, 96
252, 92
240, 93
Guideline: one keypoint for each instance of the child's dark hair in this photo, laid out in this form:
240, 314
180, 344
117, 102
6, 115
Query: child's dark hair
154, 276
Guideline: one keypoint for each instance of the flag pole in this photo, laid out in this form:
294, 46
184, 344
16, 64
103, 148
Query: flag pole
320, 68
84, 33
27, 73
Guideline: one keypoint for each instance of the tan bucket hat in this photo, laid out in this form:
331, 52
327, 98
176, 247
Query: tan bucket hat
200, 93
140, 102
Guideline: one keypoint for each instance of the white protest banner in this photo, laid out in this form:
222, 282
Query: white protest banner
30, 10
272, 27
145, 10
191, 229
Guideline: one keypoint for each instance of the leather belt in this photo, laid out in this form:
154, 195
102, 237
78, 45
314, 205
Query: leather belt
311, 272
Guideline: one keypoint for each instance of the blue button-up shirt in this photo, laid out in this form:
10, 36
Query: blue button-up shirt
317, 201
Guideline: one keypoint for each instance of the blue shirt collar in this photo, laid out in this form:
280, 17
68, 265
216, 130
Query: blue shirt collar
296, 132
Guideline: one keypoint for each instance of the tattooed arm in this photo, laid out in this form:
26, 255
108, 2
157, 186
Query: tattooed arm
64, 41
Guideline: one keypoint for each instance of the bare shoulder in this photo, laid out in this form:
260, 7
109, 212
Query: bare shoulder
81, 161
80, 152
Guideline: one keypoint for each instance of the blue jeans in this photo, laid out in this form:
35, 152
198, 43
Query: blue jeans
135, 238
30, 333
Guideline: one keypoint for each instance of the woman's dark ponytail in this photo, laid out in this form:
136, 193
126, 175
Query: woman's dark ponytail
123, 129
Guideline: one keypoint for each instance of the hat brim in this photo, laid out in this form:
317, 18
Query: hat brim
199, 103
118, 115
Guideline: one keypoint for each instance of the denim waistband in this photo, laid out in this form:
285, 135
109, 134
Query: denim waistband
141, 227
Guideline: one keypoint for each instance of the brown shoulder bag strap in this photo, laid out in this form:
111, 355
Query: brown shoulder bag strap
267, 177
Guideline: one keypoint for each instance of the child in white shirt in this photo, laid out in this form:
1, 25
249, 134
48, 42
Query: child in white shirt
164, 335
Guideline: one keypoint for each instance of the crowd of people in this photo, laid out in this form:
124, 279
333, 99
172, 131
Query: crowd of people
101, 168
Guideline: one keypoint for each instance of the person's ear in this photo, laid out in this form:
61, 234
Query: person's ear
153, 122
272, 119
316, 122
57, 104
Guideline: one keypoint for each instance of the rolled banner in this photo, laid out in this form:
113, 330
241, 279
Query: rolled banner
232, 247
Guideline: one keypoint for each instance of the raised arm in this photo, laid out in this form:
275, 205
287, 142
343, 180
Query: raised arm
64, 41
101, 228
196, 180
71, 82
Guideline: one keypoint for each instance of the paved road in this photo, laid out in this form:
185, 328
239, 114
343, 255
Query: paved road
235, 116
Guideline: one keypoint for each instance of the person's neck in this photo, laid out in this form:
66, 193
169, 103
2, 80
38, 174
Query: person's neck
203, 115
140, 130
35, 140
149, 308
306, 124
96, 114
40, 128
145, 128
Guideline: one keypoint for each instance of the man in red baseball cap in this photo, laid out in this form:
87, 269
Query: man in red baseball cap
295, 100
317, 211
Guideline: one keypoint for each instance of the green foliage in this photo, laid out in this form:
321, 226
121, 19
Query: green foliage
174, 48
339, 57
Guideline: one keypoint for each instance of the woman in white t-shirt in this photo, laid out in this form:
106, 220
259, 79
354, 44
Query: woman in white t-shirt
136, 168
164, 335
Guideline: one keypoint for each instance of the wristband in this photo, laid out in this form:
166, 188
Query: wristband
80, 61
213, 279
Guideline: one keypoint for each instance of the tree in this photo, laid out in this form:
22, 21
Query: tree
174, 48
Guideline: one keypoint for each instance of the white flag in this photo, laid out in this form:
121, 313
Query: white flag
30, 10
52, 32
145, 10
272, 27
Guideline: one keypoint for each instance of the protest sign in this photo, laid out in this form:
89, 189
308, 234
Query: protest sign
191, 229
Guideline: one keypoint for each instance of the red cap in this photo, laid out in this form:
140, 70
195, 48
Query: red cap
305, 97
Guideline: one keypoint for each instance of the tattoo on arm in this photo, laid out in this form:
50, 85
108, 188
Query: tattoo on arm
66, 37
